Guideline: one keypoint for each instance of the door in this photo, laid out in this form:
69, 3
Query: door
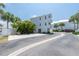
39, 30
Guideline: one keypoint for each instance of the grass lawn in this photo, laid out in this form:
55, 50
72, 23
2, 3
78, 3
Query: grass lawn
76, 33
3, 39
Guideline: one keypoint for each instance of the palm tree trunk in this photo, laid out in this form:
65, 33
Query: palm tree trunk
7, 24
77, 25
74, 26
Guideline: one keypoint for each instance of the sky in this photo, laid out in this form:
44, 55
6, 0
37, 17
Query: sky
59, 11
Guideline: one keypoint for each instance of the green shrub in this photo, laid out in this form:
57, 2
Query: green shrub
55, 30
24, 27
76, 33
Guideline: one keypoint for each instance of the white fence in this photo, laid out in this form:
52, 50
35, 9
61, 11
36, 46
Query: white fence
7, 31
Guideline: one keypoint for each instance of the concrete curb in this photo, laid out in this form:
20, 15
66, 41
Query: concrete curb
15, 37
78, 36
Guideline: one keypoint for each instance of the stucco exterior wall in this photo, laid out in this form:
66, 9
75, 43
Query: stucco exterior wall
42, 22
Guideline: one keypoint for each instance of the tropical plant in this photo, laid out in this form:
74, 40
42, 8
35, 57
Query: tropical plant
16, 19
61, 24
72, 19
77, 19
56, 26
1, 10
2, 5
24, 26
30, 26
6, 17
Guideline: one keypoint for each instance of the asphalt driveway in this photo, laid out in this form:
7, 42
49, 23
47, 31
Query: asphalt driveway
67, 45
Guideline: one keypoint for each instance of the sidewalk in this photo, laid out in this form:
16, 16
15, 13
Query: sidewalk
78, 35
14, 37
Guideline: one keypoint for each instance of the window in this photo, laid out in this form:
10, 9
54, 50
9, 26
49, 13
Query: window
49, 16
45, 17
45, 24
40, 18
39, 30
48, 30
40, 24
49, 23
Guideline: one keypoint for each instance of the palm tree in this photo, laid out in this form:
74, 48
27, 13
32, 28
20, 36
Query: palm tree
1, 10
77, 19
56, 26
72, 19
12, 17
16, 19
2, 5
7, 17
61, 24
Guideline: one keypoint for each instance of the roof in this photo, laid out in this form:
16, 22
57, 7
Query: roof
64, 20
40, 16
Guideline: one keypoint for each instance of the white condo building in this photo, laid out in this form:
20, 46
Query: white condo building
43, 23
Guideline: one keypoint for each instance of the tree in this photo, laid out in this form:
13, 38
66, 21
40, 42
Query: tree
1, 10
2, 5
56, 26
77, 19
24, 26
61, 24
7, 17
30, 26
72, 19
16, 19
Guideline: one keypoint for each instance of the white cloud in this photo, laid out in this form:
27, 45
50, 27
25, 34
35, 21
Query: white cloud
34, 16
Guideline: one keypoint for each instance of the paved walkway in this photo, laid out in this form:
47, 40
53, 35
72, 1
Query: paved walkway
14, 37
